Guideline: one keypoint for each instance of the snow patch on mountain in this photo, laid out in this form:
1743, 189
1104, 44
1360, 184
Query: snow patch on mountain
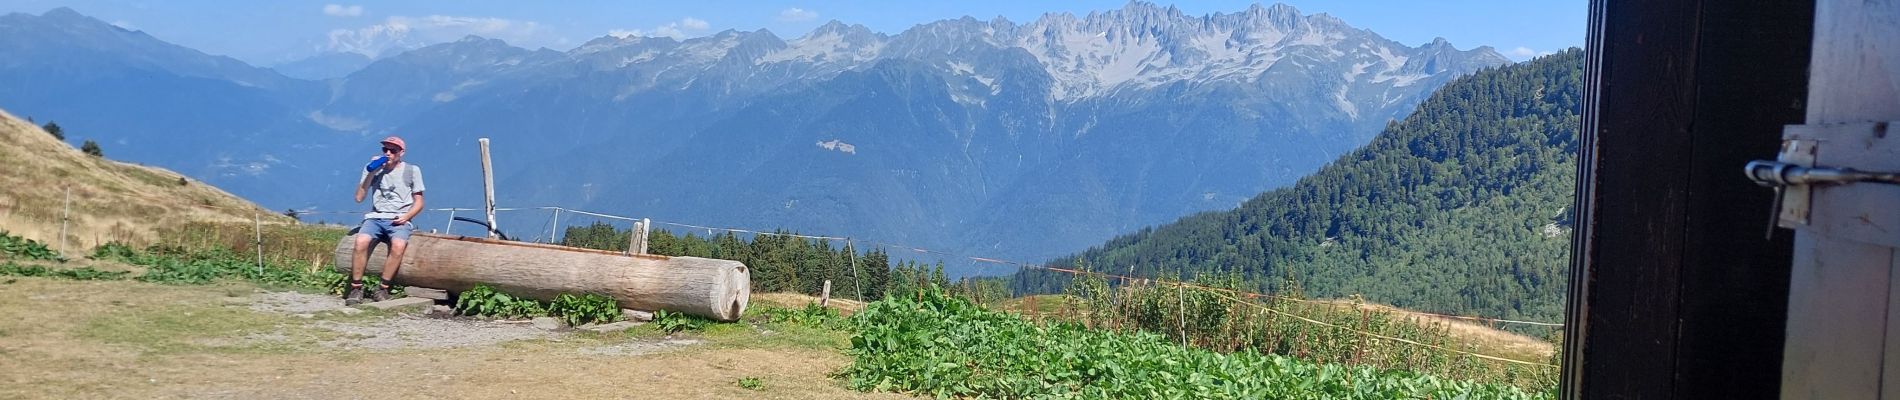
830, 47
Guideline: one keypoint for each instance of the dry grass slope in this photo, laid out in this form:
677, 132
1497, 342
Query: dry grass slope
111, 200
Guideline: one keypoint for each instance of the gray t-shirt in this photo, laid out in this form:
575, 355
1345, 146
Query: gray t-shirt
392, 192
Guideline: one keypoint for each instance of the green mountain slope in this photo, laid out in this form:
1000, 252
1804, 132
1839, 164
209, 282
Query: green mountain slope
1460, 208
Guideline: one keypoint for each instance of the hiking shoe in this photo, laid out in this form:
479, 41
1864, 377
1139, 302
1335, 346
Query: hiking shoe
380, 294
354, 297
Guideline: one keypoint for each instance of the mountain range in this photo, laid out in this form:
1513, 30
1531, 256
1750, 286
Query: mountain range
1017, 140
1463, 208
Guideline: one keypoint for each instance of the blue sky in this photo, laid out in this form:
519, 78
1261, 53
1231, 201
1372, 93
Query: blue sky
271, 32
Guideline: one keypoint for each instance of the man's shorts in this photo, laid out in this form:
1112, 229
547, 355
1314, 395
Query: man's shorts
380, 230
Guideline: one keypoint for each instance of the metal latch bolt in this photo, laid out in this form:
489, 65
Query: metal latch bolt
1778, 174
1781, 175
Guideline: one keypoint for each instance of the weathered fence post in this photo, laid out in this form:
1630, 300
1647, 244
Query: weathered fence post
488, 186
555, 224
65, 214
638, 243
257, 226
824, 297
851, 253
1180, 295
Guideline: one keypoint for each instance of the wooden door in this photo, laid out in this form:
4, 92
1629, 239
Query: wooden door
1843, 337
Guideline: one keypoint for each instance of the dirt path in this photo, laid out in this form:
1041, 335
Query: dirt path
120, 339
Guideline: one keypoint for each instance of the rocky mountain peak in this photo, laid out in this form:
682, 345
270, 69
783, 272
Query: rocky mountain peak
68, 15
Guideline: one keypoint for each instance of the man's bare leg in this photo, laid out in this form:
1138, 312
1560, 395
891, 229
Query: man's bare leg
359, 260
396, 248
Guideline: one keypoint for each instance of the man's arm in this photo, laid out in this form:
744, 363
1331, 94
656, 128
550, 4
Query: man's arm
417, 209
362, 187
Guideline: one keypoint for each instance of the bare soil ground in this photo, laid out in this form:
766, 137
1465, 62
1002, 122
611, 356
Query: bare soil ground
123, 339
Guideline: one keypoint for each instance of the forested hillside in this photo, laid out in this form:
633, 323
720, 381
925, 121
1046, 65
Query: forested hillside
1463, 207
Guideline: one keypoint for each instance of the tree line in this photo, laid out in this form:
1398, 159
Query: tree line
780, 262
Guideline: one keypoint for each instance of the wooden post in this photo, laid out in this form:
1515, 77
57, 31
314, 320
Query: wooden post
1180, 295
639, 234
851, 253
65, 214
554, 225
257, 226
488, 187
633, 237
824, 297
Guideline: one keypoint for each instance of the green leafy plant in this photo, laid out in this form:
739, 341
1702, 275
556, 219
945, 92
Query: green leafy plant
115, 251
752, 383
80, 274
939, 345
575, 310
170, 266
484, 300
583, 309
810, 315
1320, 332
12, 269
23, 248
90, 274
672, 322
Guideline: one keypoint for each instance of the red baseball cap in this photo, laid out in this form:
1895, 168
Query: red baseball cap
395, 141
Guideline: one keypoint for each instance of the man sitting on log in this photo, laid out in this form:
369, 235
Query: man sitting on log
396, 191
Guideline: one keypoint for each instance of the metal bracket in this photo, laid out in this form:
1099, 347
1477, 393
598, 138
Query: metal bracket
1795, 199
1794, 176
1833, 196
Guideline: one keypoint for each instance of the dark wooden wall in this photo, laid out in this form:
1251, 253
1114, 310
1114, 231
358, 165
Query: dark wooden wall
1675, 292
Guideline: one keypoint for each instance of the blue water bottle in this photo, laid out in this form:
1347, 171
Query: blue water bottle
376, 163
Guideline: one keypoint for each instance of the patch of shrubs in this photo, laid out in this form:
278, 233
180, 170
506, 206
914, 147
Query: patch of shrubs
22, 248
575, 310
78, 274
